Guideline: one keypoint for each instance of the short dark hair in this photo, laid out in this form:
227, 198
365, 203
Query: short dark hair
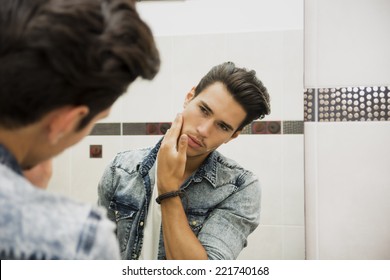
243, 85
55, 53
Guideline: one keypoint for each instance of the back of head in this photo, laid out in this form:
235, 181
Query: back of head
243, 85
55, 53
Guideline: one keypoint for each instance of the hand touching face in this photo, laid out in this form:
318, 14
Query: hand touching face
172, 157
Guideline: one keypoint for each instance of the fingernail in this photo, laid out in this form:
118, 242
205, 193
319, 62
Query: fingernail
183, 138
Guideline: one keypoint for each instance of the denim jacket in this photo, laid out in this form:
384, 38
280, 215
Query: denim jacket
223, 202
35, 224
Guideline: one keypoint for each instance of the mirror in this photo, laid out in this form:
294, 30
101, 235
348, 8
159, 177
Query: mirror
193, 36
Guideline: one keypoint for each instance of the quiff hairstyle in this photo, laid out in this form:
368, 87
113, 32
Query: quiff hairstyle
243, 85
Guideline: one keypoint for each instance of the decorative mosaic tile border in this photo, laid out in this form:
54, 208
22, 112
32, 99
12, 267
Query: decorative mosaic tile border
309, 107
256, 127
293, 127
347, 104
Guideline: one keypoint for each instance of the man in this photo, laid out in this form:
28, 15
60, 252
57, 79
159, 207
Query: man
201, 205
63, 63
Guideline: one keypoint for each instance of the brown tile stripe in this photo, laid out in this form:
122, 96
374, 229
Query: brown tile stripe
256, 127
145, 128
106, 129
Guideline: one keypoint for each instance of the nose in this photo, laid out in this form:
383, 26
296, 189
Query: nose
204, 128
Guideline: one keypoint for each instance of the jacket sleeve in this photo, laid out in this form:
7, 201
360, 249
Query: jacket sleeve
225, 232
98, 240
106, 189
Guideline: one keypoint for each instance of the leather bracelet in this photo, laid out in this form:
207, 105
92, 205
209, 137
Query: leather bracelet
169, 195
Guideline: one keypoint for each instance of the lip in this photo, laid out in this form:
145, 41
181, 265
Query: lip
193, 142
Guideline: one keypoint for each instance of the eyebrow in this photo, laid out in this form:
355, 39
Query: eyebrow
228, 126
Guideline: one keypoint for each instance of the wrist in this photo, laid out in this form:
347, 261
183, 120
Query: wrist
168, 195
167, 188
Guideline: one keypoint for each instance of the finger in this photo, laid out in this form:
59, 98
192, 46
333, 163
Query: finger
176, 124
182, 145
174, 131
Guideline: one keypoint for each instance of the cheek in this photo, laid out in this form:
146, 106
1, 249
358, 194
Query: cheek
189, 117
187, 111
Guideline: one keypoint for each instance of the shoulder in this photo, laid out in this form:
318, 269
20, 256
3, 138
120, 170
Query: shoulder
228, 169
130, 159
47, 226
86, 224
223, 171
226, 162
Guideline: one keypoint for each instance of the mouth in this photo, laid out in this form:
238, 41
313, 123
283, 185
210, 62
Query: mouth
193, 142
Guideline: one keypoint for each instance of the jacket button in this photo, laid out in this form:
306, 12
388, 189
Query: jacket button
141, 224
193, 223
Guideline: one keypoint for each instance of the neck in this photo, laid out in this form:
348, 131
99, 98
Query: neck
19, 142
192, 164
12, 141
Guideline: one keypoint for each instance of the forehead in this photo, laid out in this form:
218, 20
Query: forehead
223, 105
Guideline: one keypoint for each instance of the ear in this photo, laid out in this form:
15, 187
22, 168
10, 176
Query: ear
234, 136
189, 96
65, 121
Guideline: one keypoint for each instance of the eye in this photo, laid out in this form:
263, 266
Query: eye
223, 127
204, 110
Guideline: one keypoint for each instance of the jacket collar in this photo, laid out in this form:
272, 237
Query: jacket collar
208, 169
9, 160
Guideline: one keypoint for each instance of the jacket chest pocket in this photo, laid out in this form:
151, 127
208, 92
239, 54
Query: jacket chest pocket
196, 219
125, 217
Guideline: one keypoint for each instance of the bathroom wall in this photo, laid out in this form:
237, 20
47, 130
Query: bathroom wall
193, 36
347, 129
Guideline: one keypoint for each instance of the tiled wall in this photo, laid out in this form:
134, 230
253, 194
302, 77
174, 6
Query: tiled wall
347, 129
347, 187
347, 132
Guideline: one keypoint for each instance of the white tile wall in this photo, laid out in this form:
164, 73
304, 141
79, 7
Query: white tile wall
347, 43
172, 18
346, 168
311, 190
138, 141
292, 101
148, 101
86, 172
293, 242
194, 55
292, 180
265, 243
352, 190
263, 52
60, 182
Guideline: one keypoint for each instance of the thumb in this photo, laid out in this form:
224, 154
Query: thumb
182, 147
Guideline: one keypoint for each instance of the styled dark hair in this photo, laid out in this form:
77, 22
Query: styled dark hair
243, 85
55, 53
